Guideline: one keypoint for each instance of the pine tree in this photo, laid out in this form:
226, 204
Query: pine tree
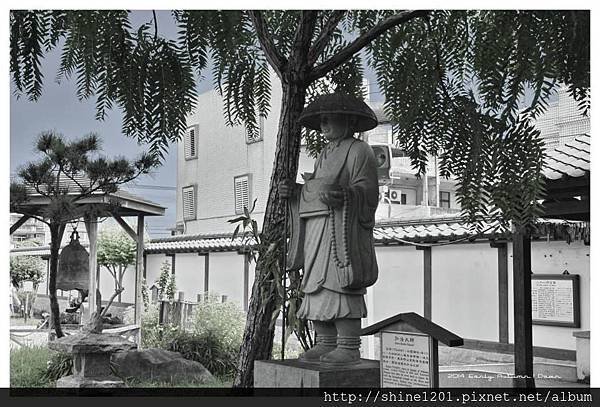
68, 172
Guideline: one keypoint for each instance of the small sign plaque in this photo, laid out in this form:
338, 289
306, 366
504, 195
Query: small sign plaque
406, 360
555, 300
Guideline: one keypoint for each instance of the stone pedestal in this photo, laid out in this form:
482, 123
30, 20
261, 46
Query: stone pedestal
582, 349
91, 359
294, 373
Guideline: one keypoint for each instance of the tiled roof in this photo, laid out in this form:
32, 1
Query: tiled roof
194, 243
444, 229
569, 160
430, 230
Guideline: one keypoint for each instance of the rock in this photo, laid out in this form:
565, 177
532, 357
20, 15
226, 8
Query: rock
159, 365
91, 343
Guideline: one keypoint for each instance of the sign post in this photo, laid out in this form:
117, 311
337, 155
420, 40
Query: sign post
409, 350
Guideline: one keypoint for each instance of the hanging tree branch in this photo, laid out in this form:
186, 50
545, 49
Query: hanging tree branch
362, 41
273, 55
321, 42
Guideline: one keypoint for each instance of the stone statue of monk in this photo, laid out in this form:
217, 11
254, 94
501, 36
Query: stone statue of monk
332, 219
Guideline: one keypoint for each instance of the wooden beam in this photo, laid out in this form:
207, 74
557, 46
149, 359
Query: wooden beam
19, 223
522, 309
426, 280
139, 272
566, 208
91, 226
509, 348
582, 182
502, 290
125, 226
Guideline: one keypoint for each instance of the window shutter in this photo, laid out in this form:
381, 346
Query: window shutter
242, 193
189, 203
190, 142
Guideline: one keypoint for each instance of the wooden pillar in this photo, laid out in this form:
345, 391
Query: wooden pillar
145, 262
426, 280
206, 274
502, 290
522, 309
139, 272
91, 226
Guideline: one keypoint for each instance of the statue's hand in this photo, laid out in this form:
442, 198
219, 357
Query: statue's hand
332, 196
286, 188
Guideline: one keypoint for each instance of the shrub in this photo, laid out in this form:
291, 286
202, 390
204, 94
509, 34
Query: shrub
59, 365
155, 335
214, 341
207, 348
226, 320
28, 366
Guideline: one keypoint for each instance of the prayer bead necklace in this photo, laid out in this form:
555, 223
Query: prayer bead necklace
336, 259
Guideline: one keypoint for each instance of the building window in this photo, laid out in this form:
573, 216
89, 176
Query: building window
241, 190
402, 199
189, 202
444, 199
257, 135
191, 142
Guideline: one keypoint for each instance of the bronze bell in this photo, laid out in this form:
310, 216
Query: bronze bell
73, 266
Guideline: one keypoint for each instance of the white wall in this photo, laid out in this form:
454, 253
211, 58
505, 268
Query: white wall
399, 287
554, 258
189, 274
226, 276
107, 285
465, 289
464, 285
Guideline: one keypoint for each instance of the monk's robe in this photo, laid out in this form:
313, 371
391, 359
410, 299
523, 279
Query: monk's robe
331, 291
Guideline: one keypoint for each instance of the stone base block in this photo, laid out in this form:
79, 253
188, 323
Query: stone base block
89, 382
294, 373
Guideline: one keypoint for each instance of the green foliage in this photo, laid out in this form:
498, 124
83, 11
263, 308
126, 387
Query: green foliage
214, 340
166, 282
208, 349
271, 282
224, 319
454, 80
26, 268
155, 335
116, 251
60, 364
28, 367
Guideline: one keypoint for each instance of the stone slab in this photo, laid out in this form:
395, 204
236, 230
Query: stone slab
298, 374
73, 382
91, 343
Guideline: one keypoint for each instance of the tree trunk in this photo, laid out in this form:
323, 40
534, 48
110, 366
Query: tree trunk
56, 234
258, 335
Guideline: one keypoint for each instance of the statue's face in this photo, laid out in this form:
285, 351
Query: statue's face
334, 126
